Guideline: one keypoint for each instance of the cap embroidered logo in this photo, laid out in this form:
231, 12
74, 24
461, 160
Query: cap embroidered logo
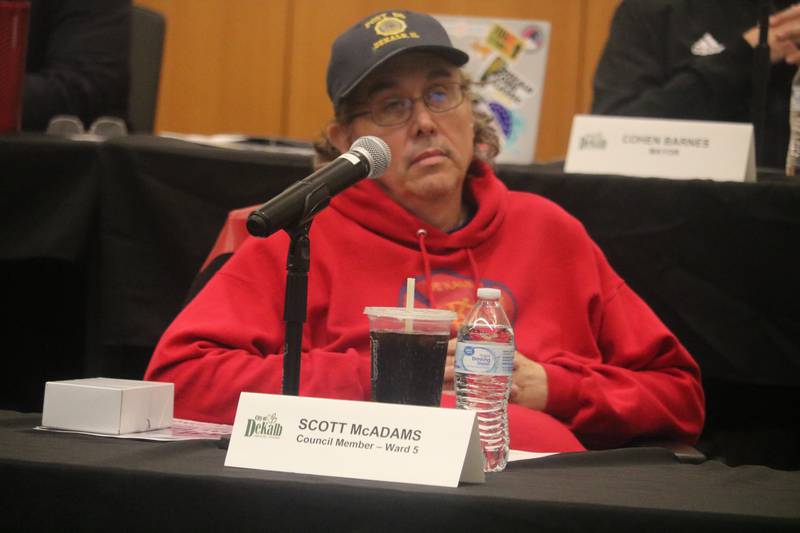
390, 26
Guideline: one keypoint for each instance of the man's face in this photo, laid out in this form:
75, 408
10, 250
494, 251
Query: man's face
430, 151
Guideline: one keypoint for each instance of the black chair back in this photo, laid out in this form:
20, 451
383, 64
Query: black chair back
148, 28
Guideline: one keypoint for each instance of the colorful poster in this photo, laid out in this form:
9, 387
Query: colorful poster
508, 60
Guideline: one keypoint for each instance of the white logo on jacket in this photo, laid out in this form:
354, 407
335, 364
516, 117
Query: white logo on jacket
707, 46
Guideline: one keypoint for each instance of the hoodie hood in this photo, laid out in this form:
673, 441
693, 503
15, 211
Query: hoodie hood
368, 205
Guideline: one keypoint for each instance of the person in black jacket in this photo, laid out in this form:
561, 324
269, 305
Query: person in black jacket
77, 62
693, 59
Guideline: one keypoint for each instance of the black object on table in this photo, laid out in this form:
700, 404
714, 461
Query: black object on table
77, 483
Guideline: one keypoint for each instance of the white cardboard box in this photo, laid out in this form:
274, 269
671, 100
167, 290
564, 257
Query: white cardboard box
107, 405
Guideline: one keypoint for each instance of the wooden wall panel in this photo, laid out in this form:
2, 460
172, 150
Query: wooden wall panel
309, 107
597, 19
258, 66
224, 65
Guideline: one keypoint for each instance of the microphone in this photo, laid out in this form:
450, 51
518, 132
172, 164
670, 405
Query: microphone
368, 157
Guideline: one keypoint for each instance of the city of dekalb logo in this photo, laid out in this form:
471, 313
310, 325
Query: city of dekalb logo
263, 426
594, 141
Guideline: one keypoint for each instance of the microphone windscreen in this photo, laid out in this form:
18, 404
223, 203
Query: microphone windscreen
377, 153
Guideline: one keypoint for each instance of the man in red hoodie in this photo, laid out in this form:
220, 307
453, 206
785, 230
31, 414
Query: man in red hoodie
595, 367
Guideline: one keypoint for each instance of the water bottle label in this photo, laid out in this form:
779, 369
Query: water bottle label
490, 358
795, 98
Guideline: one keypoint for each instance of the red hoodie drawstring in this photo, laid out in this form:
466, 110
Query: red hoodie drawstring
476, 279
426, 262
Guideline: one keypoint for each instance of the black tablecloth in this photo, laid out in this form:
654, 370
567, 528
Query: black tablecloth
76, 483
100, 241
162, 204
124, 226
48, 209
48, 197
711, 258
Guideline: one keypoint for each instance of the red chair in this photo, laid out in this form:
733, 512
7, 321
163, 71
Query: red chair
231, 236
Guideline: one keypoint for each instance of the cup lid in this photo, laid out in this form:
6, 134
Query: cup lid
401, 313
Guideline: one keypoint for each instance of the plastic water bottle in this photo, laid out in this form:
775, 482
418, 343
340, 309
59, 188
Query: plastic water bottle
793, 152
484, 362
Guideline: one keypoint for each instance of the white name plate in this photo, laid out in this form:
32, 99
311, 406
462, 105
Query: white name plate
659, 148
364, 440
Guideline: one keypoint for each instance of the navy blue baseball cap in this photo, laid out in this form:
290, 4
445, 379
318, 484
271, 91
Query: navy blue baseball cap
372, 41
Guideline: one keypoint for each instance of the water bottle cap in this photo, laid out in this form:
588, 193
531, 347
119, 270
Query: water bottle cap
487, 293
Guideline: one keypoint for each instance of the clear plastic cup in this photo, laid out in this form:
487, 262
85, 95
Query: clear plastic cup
409, 347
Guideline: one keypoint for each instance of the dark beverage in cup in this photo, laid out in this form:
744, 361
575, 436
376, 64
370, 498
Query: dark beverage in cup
407, 368
408, 347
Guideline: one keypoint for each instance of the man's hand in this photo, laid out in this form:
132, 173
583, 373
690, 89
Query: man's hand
448, 383
786, 27
784, 35
529, 380
528, 383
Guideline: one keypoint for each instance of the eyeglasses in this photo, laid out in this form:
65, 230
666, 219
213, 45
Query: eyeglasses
394, 111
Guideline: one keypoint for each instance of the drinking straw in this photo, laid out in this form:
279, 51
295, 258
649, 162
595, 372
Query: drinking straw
409, 303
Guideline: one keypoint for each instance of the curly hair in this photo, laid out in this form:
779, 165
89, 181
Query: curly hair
486, 143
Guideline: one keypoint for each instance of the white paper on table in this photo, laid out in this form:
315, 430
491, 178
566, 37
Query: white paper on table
519, 455
181, 429
239, 141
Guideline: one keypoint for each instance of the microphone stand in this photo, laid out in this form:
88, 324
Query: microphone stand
315, 192
761, 72
296, 300
295, 304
